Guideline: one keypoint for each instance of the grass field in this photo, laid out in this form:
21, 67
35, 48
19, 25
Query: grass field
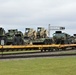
39, 66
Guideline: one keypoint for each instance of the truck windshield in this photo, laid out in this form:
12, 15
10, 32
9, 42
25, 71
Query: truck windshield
58, 35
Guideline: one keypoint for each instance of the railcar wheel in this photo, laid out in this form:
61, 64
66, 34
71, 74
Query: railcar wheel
41, 50
56, 49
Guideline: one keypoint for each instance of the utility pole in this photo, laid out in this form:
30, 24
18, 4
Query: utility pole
54, 28
49, 30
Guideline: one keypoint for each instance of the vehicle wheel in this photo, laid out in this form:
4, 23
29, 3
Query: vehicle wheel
15, 41
20, 41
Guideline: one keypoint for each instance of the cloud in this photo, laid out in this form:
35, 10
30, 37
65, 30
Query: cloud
33, 13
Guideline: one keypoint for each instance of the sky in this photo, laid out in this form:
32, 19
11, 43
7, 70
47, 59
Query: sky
20, 14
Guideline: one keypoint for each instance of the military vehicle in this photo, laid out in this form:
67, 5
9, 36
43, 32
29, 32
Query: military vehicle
30, 34
62, 38
10, 36
2, 35
18, 38
42, 37
74, 37
41, 32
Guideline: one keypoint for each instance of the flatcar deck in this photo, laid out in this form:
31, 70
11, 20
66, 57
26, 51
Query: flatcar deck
35, 47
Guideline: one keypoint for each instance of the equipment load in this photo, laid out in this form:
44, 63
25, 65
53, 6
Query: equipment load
30, 34
42, 37
62, 38
41, 32
18, 38
74, 35
10, 36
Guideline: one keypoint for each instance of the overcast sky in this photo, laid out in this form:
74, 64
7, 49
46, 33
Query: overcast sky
33, 13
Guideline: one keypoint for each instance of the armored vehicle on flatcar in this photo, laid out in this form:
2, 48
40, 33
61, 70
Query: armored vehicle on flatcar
29, 35
10, 36
18, 38
41, 32
74, 36
62, 38
42, 37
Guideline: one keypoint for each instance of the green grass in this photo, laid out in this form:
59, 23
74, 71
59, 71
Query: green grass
39, 66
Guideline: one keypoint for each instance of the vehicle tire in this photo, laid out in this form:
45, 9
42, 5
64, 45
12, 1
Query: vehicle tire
20, 41
15, 41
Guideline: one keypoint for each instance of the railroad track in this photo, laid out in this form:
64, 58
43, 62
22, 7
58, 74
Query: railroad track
38, 54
